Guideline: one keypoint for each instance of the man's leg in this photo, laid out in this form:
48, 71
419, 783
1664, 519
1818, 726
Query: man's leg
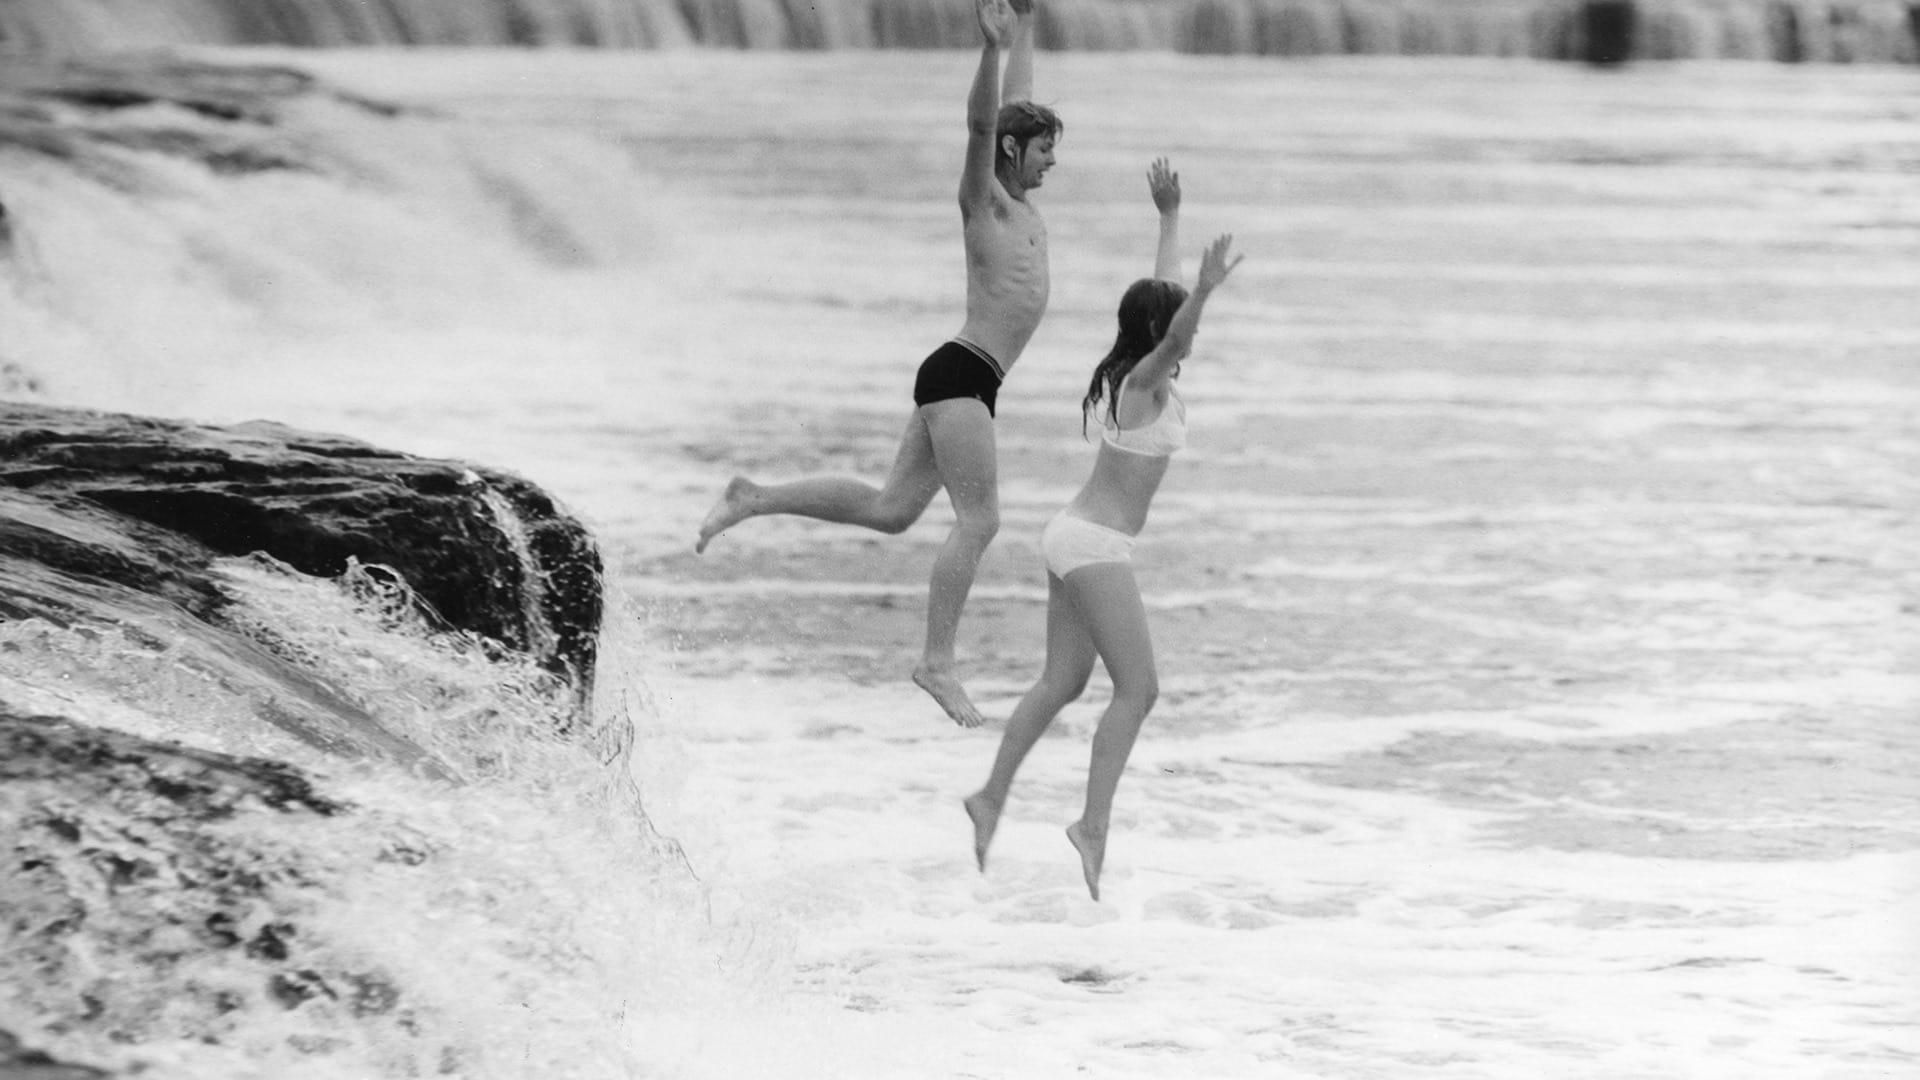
1070, 655
961, 431
842, 500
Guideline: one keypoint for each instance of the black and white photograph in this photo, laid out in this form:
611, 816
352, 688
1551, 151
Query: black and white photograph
960, 539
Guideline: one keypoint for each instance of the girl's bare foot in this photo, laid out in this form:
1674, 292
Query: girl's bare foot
731, 510
1093, 851
986, 817
950, 694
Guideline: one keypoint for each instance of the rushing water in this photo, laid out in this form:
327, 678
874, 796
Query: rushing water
1843, 31
1535, 606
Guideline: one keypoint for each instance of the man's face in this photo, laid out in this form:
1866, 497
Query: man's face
1035, 161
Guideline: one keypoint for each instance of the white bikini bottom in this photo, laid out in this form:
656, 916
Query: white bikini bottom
1069, 543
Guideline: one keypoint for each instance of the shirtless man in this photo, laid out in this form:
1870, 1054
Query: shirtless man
949, 440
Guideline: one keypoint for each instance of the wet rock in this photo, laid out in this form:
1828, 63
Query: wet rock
224, 116
150, 889
19, 1063
91, 500
153, 891
237, 92
157, 782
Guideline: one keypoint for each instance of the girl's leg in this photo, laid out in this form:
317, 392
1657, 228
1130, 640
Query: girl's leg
960, 432
1069, 661
842, 500
1108, 599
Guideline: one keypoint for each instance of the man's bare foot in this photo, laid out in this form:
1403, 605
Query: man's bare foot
731, 510
1092, 853
950, 694
986, 817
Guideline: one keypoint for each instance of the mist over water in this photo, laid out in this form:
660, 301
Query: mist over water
1535, 605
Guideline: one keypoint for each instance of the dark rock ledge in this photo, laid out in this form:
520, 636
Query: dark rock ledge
119, 853
100, 499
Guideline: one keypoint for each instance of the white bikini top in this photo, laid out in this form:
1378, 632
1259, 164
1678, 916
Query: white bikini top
1160, 438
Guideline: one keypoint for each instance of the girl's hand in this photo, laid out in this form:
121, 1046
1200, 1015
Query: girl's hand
1164, 183
1214, 264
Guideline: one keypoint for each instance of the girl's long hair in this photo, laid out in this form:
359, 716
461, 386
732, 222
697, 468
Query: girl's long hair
1145, 310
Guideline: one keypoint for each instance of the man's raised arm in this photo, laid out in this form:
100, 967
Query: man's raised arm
983, 103
1018, 85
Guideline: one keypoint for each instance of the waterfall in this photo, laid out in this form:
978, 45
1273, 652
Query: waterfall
1840, 31
542, 639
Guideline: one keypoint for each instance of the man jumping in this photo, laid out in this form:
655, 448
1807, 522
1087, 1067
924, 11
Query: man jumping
949, 441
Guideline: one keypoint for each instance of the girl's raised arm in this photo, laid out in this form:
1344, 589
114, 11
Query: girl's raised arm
1157, 366
1164, 183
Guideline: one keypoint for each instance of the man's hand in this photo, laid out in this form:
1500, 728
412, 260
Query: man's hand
1164, 183
997, 21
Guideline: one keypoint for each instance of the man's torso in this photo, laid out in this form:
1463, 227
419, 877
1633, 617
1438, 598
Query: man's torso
1007, 281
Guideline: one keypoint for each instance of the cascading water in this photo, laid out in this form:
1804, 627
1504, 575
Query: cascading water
531, 587
369, 847
396, 924
1793, 30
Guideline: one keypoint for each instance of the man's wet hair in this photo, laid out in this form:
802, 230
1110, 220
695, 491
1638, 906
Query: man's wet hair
1026, 121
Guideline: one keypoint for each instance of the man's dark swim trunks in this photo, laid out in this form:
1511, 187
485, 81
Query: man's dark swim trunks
958, 369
